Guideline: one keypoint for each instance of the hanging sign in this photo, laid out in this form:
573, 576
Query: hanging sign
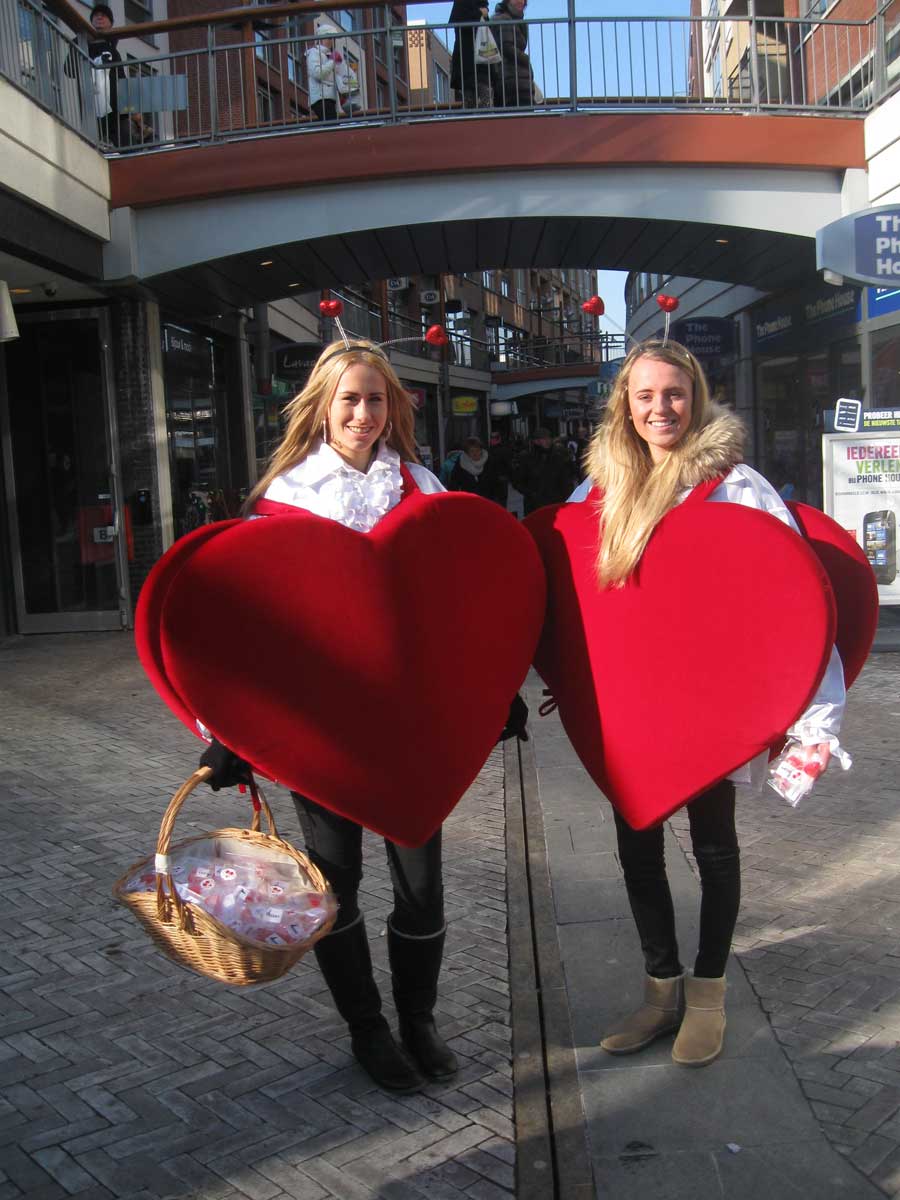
864, 246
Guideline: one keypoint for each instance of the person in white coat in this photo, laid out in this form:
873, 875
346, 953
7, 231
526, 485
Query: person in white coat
328, 77
660, 437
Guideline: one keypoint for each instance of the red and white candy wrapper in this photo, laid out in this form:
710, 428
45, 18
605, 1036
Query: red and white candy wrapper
792, 775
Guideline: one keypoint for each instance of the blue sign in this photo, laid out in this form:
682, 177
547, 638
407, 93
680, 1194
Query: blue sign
877, 245
707, 337
863, 247
883, 300
805, 319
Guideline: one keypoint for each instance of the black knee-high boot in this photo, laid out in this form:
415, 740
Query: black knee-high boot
415, 967
346, 964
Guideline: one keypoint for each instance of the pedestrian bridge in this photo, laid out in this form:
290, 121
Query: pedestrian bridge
718, 196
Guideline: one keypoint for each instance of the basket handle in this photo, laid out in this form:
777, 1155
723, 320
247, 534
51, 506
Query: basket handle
163, 876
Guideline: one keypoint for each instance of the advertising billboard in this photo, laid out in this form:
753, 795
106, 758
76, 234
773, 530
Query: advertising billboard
862, 491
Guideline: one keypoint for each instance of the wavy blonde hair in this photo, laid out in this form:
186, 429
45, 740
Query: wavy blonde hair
307, 412
637, 493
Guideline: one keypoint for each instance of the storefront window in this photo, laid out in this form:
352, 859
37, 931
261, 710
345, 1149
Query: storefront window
794, 393
195, 411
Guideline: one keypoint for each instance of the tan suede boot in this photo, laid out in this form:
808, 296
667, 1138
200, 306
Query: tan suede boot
660, 1013
700, 1038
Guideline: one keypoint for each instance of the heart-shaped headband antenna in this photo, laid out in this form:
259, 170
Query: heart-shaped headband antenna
596, 308
435, 335
668, 304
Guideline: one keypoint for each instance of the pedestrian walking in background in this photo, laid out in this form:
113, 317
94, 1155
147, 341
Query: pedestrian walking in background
545, 473
468, 475
471, 81
660, 437
512, 77
496, 473
348, 454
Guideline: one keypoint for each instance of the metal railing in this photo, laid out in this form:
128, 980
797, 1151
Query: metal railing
44, 61
228, 87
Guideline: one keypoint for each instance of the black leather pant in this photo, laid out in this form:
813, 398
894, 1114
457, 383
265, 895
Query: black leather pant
715, 845
334, 844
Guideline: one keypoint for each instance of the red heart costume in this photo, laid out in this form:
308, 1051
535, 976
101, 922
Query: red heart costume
336, 642
639, 671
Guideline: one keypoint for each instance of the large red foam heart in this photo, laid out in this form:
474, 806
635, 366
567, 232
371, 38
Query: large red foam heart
370, 672
148, 615
852, 580
702, 660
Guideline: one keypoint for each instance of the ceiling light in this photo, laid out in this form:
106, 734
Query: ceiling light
267, 263
293, 285
20, 291
721, 241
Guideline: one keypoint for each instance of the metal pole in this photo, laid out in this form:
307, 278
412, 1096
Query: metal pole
754, 60
211, 81
880, 79
443, 392
392, 81
573, 58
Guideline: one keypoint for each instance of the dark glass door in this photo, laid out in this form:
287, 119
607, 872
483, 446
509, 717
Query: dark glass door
64, 530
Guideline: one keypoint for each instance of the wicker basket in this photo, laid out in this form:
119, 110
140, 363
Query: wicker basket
193, 937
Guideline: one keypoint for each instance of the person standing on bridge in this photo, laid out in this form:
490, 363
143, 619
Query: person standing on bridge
661, 436
470, 81
512, 77
327, 74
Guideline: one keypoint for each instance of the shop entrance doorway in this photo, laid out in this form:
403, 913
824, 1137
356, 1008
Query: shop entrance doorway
68, 538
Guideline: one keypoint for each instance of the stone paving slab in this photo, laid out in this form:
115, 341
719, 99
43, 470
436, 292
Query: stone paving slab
123, 1075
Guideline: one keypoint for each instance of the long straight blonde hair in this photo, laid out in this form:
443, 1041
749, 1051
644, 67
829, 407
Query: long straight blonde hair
307, 413
637, 493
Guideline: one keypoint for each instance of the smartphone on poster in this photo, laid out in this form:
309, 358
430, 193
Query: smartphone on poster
880, 544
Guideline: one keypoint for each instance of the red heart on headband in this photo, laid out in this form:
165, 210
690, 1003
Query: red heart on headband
331, 308
697, 664
595, 306
335, 677
667, 303
437, 336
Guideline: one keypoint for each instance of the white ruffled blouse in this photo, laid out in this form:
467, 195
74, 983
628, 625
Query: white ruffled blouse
327, 485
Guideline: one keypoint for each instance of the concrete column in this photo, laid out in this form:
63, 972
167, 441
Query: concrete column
744, 386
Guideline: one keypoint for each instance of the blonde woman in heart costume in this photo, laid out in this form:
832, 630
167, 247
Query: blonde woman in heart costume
660, 437
348, 453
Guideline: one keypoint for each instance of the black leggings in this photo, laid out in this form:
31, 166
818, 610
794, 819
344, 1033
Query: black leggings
334, 844
715, 845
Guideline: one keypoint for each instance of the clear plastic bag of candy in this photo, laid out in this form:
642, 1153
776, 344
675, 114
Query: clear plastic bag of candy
256, 890
792, 775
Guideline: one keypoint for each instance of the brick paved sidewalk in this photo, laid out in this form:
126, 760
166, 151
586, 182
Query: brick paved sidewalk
819, 932
121, 1075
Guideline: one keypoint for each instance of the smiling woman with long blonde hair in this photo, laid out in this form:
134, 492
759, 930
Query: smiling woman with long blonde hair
660, 437
348, 454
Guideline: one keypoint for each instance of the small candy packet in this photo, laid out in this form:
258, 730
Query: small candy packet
791, 775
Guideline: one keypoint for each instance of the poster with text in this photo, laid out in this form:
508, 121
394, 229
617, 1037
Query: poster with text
862, 493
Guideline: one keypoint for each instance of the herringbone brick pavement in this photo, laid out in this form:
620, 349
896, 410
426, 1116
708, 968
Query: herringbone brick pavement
819, 932
122, 1075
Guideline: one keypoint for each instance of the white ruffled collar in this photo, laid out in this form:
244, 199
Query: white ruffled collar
355, 498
